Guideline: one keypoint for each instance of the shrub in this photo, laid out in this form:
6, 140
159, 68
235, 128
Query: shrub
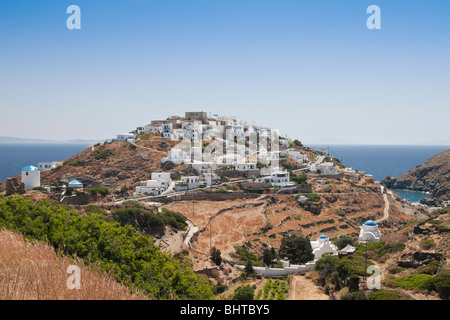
245, 256
384, 294
216, 256
313, 197
74, 163
357, 295
412, 281
344, 240
440, 283
102, 153
296, 248
98, 190
426, 244
244, 293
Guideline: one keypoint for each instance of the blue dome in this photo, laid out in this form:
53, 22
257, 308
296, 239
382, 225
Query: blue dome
30, 168
370, 223
75, 183
323, 237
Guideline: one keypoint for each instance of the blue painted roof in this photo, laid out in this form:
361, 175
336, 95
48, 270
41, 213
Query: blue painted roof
30, 168
323, 237
75, 183
370, 223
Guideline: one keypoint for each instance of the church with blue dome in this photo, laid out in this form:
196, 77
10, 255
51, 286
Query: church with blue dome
369, 232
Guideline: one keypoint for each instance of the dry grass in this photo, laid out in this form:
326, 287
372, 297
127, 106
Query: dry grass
33, 271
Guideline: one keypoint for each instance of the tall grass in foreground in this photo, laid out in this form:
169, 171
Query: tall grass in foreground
34, 271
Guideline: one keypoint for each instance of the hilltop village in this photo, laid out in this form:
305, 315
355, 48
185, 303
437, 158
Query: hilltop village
243, 192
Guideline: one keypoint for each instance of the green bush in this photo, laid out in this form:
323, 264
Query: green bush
102, 153
40, 188
411, 281
98, 190
313, 197
296, 248
356, 295
244, 293
131, 257
440, 283
245, 256
384, 294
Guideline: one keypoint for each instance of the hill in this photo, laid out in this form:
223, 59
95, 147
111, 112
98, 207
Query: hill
118, 166
432, 176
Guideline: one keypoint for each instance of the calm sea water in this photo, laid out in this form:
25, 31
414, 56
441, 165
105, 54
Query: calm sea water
13, 157
382, 161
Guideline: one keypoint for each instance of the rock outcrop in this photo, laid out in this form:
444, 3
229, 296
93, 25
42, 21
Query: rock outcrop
13, 186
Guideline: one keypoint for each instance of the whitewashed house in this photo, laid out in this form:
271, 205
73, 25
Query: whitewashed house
187, 183
151, 128
297, 156
167, 130
125, 137
159, 183
31, 177
245, 166
280, 178
45, 166
177, 156
327, 168
151, 187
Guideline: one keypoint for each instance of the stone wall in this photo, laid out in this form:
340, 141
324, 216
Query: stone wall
81, 199
280, 272
13, 186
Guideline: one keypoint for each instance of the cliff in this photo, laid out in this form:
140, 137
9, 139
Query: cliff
432, 176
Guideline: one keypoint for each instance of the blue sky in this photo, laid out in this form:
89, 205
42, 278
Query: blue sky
311, 69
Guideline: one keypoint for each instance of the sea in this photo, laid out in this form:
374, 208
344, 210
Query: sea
13, 157
385, 160
378, 160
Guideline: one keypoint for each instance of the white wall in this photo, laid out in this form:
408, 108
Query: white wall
31, 179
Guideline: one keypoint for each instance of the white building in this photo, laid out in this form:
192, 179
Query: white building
323, 245
446, 204
31, 177
151, 187
369, 232
297, 156
327, 168
245, 166
44, 166
159, 183
124, 137
177, 156
281, 179
161, 176
167, 130
187, 183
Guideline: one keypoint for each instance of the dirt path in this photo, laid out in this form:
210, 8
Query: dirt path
302, 288
386, 206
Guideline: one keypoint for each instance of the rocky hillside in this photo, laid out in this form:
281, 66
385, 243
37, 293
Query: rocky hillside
433, 176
